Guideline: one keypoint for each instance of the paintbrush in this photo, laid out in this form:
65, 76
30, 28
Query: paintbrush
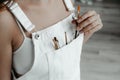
78, 15
56, 43
66, 42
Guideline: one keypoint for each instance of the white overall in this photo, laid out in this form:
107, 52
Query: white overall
60, 64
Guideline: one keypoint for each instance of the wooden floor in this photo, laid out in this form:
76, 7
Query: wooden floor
100, 58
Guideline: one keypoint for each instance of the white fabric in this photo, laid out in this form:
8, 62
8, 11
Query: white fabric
22, 65
51, 64
19, 14
69, 5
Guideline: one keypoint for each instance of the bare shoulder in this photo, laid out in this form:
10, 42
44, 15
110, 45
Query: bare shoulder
7, 24
9, 30
6, 19
6, 34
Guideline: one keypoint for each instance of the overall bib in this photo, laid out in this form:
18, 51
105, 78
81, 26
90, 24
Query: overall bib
51, 64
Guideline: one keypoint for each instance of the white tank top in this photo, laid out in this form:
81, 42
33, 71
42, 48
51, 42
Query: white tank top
38, 60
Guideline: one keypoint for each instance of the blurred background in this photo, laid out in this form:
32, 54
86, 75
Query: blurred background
101, 54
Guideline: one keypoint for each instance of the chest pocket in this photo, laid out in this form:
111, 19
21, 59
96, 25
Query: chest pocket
64, 63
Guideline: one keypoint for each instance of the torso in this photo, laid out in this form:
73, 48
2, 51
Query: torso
42, 16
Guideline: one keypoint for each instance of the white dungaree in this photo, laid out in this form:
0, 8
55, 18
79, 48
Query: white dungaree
60, 64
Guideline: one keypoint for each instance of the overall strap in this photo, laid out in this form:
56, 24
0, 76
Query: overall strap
69, 5
21, 17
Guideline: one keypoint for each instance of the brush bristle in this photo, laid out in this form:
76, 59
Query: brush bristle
78, 8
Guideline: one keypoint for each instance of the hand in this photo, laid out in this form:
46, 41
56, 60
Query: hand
89, 22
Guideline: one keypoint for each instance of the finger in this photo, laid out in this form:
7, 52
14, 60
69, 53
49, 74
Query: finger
100, 21
93, 30
90, 26
87, 22
74, 21
86, 15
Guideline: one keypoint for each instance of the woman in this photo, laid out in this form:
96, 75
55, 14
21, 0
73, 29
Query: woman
30, 52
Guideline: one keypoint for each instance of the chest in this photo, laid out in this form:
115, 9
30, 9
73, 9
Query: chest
42, 16
46, 15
